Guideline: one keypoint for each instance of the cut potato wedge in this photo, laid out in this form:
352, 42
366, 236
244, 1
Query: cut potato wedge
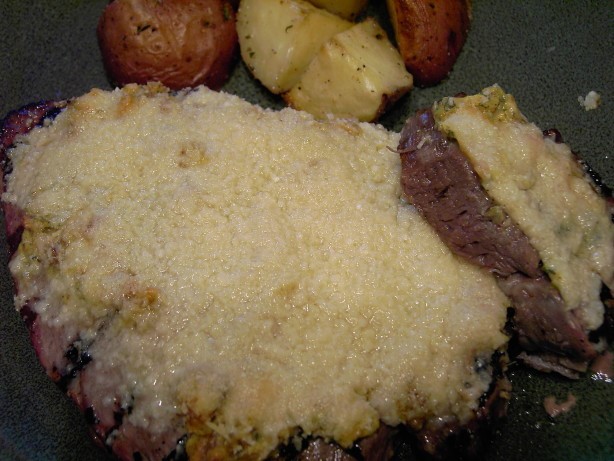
279, 38
348, 9
357, 74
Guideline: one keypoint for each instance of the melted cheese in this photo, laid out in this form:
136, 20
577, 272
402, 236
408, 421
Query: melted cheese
252, 275
541, 186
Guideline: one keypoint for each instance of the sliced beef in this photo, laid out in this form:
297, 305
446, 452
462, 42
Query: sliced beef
541, 321
442, 185
440, 182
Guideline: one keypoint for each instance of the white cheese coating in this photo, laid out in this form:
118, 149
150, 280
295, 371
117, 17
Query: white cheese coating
248, 273
541, 186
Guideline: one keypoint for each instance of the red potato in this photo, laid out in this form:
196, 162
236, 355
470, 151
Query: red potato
430, 35
180, 43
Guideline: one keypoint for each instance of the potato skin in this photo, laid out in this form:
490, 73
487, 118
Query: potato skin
430, 35
180, 43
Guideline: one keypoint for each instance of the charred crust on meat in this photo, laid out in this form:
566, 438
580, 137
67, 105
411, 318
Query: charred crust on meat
90, 416
28, 316
553, 134
596, 180
607, 328
78, 357
23, 120
179, 452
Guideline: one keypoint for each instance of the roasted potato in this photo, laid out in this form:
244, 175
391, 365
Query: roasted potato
356, 74
180, 43
279, 38
430, 35
348, 9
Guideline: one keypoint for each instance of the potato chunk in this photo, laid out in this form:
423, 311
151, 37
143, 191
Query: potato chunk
357, 74
279, 38
348, 9
430, 35
180, 43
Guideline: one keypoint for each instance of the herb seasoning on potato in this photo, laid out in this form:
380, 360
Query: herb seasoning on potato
180, 43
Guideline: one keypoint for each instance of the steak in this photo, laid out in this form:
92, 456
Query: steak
73, 361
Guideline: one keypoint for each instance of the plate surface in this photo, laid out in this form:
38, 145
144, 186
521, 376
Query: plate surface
545, 53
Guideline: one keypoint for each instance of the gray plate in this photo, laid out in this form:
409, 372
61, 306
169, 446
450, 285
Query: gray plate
546, 53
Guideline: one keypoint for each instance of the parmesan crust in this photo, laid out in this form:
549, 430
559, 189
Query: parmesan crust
247, 274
